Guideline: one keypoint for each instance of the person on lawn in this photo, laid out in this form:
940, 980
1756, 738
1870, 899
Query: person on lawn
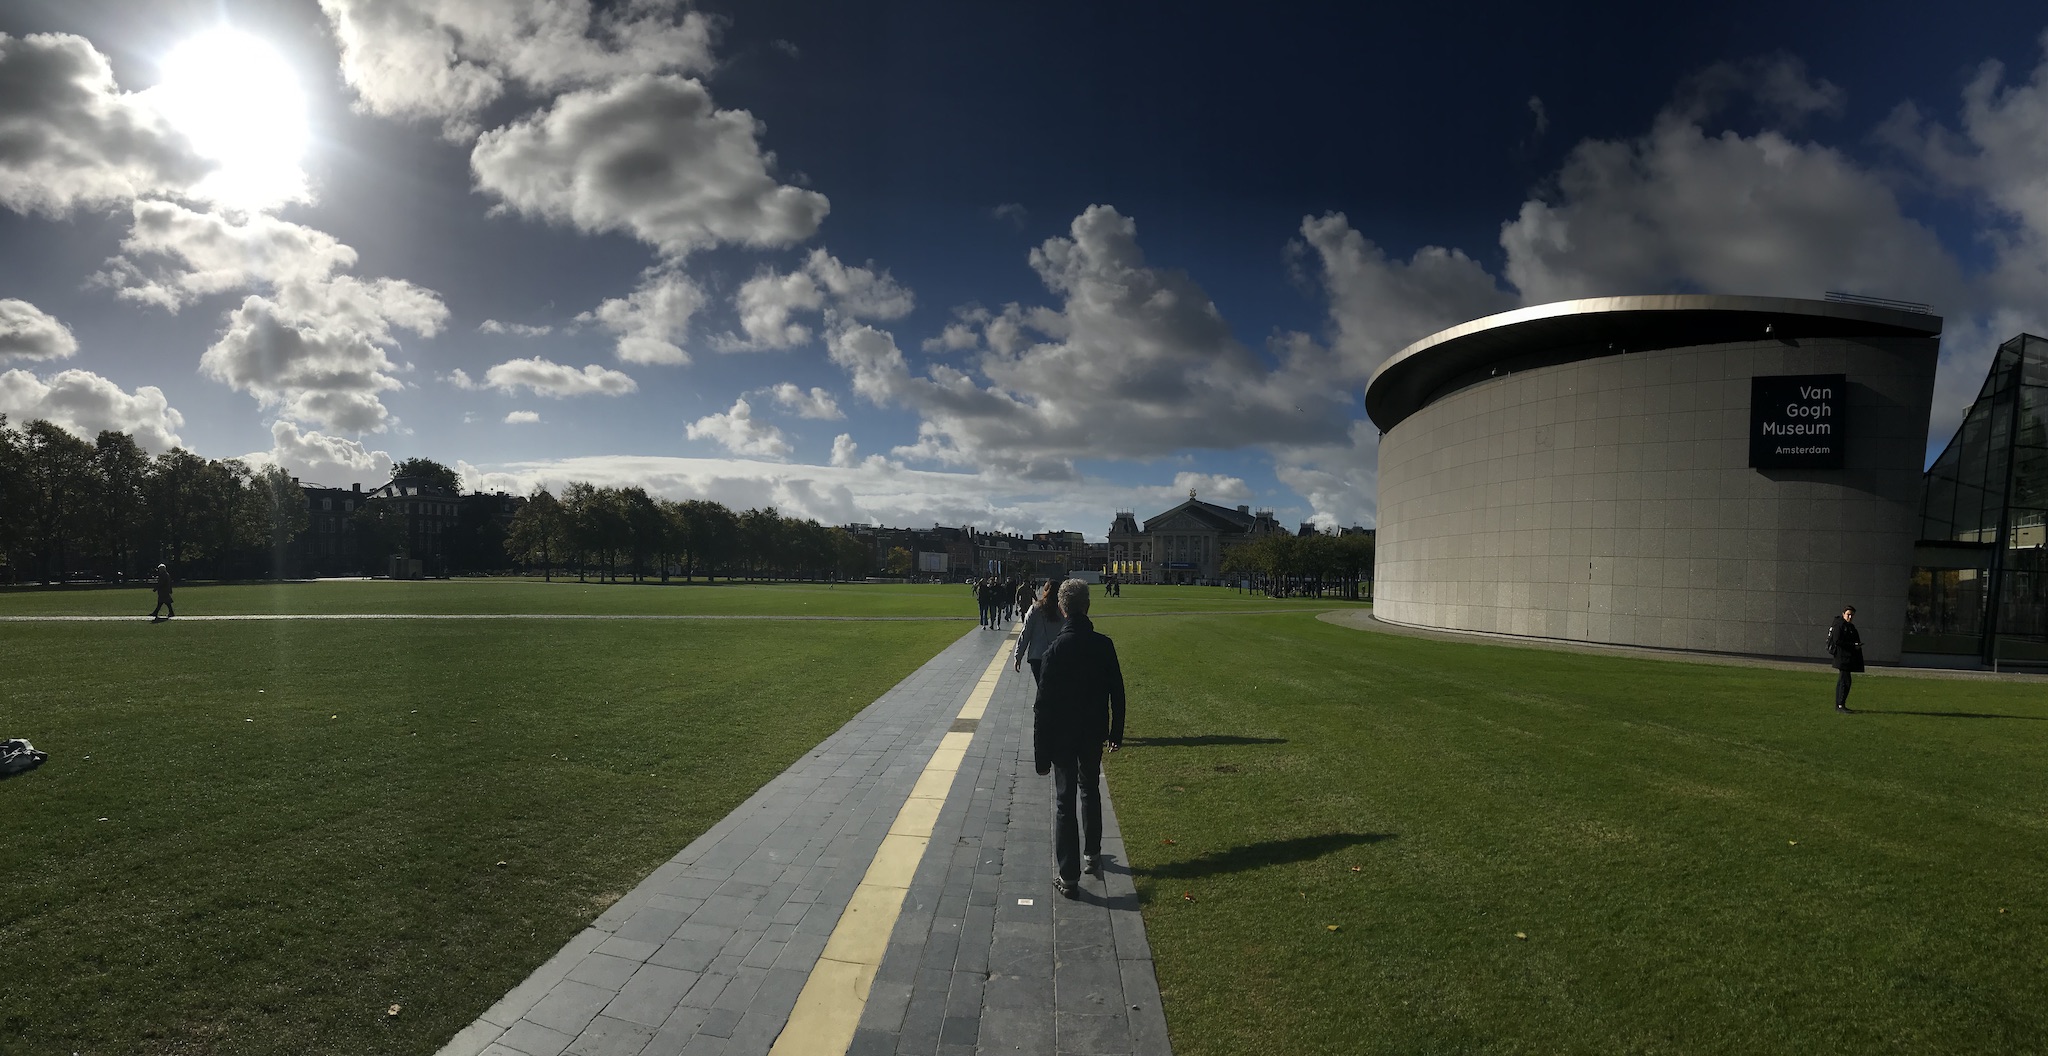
163, 595
1079, 708
1846, 646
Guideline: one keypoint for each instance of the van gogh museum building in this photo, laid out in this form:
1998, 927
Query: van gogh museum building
1713, 473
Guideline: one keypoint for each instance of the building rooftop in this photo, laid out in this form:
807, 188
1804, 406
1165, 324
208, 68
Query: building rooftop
1567, 331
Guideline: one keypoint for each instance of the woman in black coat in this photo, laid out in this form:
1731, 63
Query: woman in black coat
1846, 646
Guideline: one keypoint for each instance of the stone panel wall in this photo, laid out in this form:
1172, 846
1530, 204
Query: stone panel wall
1610, 500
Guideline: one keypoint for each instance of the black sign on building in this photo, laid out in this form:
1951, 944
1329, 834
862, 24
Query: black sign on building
1795, 421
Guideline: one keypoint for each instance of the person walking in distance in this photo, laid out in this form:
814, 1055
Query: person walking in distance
1079, 708
163, 595
1042, 624
1846, 646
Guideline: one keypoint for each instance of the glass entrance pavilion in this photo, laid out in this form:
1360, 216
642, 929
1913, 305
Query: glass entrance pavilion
1980, 576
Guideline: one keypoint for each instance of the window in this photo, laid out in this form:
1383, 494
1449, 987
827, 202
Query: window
326, 504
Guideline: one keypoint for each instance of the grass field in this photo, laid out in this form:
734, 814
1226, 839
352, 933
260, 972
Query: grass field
1519, 851
567, 596
1540, 852
255, 837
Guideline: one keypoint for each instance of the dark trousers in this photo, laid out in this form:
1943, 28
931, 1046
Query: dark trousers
1842, 689
1034, 670
163, 602
1071, 837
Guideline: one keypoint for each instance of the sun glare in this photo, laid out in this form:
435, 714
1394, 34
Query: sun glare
239, 103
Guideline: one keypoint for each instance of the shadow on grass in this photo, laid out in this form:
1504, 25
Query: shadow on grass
1948, 714
1203, 741
1257, 855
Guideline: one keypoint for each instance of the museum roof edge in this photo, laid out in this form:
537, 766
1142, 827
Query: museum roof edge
1594, 326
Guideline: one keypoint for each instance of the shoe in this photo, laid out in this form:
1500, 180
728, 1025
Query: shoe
1843, 708
1072, 890
1094, 866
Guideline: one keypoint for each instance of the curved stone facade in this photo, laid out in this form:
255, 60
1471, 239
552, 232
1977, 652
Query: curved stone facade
1609, 498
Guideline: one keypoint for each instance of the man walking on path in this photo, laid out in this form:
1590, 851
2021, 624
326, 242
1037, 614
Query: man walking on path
1846, 646
163, 594
1079, 708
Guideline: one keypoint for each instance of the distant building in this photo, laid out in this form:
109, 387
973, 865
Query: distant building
421, 520
1185, 544
328, 545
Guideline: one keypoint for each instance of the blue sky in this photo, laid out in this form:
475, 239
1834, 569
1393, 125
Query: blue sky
1006, 266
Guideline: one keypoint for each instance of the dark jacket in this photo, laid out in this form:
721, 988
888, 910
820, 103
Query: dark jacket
163, 585
1080, 701
1845, 645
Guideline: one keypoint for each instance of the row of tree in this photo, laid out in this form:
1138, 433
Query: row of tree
1286, 565
612, 531
111, 508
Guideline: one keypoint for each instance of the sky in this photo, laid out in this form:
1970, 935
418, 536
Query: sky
1011, 266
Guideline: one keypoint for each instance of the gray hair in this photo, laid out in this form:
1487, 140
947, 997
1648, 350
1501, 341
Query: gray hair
1074, 598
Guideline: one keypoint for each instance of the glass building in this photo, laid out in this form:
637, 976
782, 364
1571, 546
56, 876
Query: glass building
1980, 581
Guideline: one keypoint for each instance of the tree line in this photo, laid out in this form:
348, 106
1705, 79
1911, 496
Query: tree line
110, 508
608, 531
1286, 565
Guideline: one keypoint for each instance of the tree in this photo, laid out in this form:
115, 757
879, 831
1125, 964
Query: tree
645, 526
58, 512
282, 513
853, 558
14, 499
120, 481
537, 532
174, 506
900, 561
434, 473
380, 535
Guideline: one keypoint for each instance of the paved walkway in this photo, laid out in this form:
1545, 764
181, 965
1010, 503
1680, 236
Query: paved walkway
891, 892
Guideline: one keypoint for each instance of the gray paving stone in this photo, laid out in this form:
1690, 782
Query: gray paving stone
691, 955
569, 1007
719, 1022
600, 969
606, 1036
652, 995
1093, 1035
534, 1039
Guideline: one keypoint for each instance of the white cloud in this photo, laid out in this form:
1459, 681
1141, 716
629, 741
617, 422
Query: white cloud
1136, 361
70, 138
817, 403
845, 452
1998, 160
649, 156
859, 292
493, 326
546, 378
316, 458
1379, 306
214, 254
1680, 208
822, 283
448, 60
653, 320
522, 418
84, 403
740, 434
956, 337
318, 349
766, 302
1011, 213
27, 332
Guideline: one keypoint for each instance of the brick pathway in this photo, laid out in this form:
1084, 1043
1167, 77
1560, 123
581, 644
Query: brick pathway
711, 952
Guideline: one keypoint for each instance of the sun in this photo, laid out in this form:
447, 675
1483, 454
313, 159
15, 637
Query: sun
239, 103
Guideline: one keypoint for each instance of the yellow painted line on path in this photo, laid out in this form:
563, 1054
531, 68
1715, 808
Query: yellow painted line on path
829, 1008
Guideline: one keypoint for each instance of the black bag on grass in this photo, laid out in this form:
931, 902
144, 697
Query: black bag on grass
19, 757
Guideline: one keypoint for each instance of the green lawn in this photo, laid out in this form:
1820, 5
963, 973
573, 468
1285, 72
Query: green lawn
1703, 859
255, 837
567, 596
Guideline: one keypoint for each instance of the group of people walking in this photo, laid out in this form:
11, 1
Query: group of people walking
1000, 598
